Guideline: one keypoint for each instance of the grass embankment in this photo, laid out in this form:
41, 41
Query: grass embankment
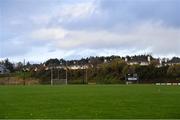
90, 101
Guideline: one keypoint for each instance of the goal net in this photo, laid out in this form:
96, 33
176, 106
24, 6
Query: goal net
58, 81
58, 76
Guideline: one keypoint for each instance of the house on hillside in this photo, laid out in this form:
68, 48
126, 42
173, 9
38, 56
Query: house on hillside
138, 60
174, 61
77, 67
3, 70
143, 60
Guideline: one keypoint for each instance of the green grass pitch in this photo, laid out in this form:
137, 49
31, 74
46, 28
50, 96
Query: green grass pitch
90, 101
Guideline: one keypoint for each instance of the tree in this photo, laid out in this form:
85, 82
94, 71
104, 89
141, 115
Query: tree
154, 63
19, 66
52, 62
28, 64
8, 65
128, 69
174, 70
118, 64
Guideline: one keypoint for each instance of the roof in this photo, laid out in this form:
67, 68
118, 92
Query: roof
174, 60
138, 59
2, 67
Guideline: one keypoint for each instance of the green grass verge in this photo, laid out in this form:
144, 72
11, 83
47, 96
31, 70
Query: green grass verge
90, 101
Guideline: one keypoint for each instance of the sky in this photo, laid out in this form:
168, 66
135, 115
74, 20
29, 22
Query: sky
37, 30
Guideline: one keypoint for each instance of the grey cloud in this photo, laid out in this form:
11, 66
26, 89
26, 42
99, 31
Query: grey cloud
12, 48
154, 36
126, 12
18, 46
140, 10
120, 19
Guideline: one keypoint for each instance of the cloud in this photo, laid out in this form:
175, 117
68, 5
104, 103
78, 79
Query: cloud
133, 11
20, 46
65, 13
40, 19
13, 47
89, 27
157, 37
106, 14
49, 34
79, 10
74, 16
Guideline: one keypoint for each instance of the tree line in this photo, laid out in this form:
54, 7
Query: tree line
114, 72
100, 70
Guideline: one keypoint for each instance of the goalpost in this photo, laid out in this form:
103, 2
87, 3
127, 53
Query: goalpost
57, 80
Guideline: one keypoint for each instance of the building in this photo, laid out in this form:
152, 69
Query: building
173, 61
77, 67
3, 70
138, 60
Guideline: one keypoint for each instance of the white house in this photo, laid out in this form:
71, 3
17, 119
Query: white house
143, 61
70, 67
77, 67
3, 70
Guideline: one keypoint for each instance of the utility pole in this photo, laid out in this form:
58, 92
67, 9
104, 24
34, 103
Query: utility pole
58, 73
83, 71
51, 76
66, 73
24, 82
86, 76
